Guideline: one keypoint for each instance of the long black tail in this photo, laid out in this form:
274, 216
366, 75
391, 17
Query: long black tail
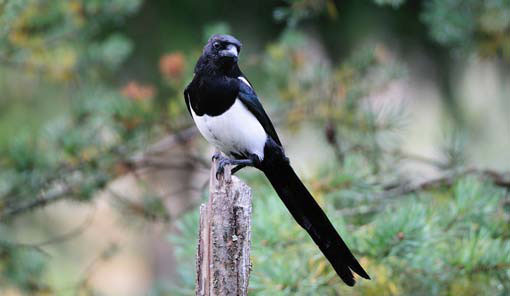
310, 216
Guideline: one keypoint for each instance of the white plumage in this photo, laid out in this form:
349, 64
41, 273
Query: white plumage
235, 130
244, 80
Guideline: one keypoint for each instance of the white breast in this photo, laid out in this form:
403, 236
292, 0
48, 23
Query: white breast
236, 130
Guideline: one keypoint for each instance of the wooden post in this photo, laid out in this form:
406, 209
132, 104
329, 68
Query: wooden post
223, 255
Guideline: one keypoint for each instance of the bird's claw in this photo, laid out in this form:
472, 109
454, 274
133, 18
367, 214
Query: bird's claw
216, 155
223, 161
219, 173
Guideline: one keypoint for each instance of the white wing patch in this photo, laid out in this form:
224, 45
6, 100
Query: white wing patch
236, 130
245, 81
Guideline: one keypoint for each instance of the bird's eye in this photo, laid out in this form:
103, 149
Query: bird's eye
216, 45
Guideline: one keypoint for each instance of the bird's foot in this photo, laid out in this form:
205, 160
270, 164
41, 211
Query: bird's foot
222, 162
216, 155
239, 164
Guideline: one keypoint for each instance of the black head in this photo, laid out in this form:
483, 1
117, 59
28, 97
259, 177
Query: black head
222, 51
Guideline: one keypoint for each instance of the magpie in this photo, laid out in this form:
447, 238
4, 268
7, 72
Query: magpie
229, 115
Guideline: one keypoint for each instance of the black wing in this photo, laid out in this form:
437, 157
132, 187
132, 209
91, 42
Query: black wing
250, 100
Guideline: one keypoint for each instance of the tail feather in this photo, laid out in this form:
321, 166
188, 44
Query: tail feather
310, 216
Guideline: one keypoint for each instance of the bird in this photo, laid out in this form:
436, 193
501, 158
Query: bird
229, 115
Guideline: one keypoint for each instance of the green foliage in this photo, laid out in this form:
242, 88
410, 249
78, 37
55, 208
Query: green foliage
463, 25
393, 3
112, 51
77, 102
435, 243
299, 10
64, 44
21, 267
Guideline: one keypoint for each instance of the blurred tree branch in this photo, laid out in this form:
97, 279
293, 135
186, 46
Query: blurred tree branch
59, 188
40, 201
73, 233
501, 179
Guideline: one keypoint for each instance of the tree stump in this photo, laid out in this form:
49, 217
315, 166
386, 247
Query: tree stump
223, 255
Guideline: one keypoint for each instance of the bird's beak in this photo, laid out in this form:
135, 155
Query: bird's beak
230, 52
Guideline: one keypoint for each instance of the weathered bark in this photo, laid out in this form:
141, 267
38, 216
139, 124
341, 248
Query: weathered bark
223, 255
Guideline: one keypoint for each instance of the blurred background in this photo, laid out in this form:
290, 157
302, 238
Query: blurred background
395, 113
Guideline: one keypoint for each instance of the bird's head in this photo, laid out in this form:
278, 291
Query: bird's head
222, 50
